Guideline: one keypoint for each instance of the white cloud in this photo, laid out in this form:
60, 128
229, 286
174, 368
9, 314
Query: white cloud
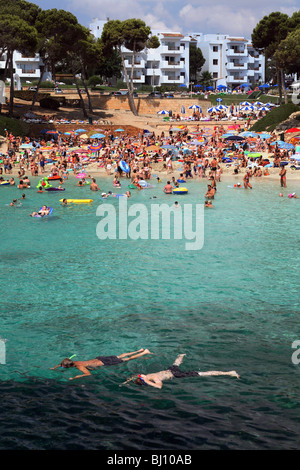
231, 17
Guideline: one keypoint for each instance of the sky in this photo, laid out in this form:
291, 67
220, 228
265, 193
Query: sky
233, 17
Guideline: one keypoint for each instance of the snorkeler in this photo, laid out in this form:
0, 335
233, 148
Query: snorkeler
156, 379
83, 366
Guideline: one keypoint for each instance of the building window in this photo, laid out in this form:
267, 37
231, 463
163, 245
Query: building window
215, 61
215, 48
215, 75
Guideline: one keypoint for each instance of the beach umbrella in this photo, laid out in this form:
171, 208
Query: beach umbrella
235, 137
265, 85
177, 129
119, 130
53, 132
258, 103
228, 134
95, 148
97, 136
264, 108
222, 107
248, 134
245, 103
247, 108
296, 156
264, 135
212, 110
163, 111
270, 105
81, 130
219, 100
26, 146
292, 129
194, 106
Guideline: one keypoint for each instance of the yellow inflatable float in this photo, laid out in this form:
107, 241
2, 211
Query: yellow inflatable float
180, 190
77, 201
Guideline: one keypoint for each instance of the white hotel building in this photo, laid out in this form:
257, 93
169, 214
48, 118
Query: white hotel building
25, 66
232, 61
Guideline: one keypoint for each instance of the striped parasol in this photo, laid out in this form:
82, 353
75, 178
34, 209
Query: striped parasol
95, 148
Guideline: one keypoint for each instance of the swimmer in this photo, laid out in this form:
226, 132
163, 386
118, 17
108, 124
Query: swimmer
168, 188
44, 211
280, 195
128, 194
158, 179
293, 196
84, 366
104, 195
13, 203
208, 204
176, 205
64, 202
156, 379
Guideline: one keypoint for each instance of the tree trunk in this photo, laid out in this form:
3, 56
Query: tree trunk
279, 85
12, 85
80, 96
130, 93
86, 89
283, 86
37, 88
6, 67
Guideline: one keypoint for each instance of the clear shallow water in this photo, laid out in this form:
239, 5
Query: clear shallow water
232, 305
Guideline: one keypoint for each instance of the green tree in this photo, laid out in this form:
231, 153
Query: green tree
266, 37
287, 55
133, 35
206, 78
196, 61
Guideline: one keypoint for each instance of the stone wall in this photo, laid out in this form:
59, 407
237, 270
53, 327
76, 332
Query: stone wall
148, 106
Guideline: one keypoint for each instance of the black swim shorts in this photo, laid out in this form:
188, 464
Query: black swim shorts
179, 374
109, 360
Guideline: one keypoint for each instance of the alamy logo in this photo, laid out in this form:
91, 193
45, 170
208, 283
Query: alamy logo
296, 354
138, 221
2, 351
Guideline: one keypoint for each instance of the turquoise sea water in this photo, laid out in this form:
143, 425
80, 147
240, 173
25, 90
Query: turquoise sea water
232, 305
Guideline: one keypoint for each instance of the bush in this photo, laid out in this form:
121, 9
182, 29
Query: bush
27, 95
121, 84
15, 126
94, 80
49, 103
275, 117
47, 84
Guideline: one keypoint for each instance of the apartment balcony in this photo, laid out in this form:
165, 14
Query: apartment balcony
25, 59
32, 73
236, 52
177, 80
138, 64
171, 65
235, 66
139, 79
172, 50
236, 78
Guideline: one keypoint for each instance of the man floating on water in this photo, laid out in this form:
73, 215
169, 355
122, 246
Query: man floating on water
84, 366
156, 379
